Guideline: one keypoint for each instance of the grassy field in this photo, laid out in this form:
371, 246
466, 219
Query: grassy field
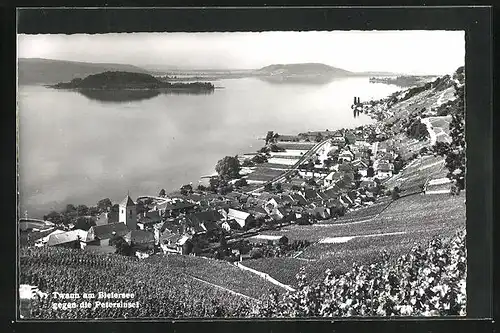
265, 174
275, 166
419, 218
412, 178
296, 145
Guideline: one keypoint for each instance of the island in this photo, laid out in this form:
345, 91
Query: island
119, 80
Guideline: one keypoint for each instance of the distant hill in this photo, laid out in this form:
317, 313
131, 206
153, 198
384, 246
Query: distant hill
303, 69
47, 71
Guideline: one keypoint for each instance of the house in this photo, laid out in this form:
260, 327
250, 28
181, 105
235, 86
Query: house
231, 224
287, 200
369, 196
244, 219
331, 193
383, 170
100, 235
346, 200
107, 217
257, 212
333, 189
346, 156
298, 199
338, 139
328, 180
278, 214
173, 243
174, 208
267, 240
361, 166
70, 239
140, 239
385, 155
320, 212
309, 193
44, 239
149, 219
368, 184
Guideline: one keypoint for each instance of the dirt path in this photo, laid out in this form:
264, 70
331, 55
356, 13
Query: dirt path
223, 288
265, 276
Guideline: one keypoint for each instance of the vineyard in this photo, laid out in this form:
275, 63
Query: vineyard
426, 281
162, 287
419, 219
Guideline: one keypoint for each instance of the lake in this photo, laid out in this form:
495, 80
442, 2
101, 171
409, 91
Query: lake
79, 149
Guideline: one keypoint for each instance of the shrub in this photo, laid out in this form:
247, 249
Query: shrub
428, 281
255, 253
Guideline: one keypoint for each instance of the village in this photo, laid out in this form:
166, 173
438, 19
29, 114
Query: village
334, 172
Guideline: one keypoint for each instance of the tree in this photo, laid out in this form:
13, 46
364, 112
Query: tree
70, 208
104, 204
162, 193
268, 187
319, 137
186, 189
121, 246
54, 217
259, 158
115, 208
82, 210
247, 163
275, 148
398, 164
269, 136
395, 194
228, 167
256, 253
279, 188
202, 187
84, 223
441, 148
370, 172
240, 182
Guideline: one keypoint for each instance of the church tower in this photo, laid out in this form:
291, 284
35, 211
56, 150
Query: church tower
128, 213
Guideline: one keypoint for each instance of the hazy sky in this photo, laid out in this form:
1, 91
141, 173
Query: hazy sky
416, 52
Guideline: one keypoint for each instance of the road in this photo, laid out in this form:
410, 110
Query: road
151, 197
304, 158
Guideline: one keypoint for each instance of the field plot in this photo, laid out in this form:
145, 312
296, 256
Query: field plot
441, 126
412, 178
282, 269
407, 222
285, 161
264, 174
161, 290
362, 213
275, 166
296, 145
217, 272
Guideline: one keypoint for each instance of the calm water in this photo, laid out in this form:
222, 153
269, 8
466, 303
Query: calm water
76, 149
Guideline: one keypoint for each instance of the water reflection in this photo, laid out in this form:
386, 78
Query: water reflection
121, 96
315, 80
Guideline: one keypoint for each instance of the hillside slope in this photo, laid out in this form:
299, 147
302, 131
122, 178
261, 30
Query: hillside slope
303, 69
46, 71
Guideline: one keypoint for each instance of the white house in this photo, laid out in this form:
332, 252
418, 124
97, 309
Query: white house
383, 170
346, 156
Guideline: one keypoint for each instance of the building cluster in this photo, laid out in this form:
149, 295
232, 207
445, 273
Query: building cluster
345, 175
